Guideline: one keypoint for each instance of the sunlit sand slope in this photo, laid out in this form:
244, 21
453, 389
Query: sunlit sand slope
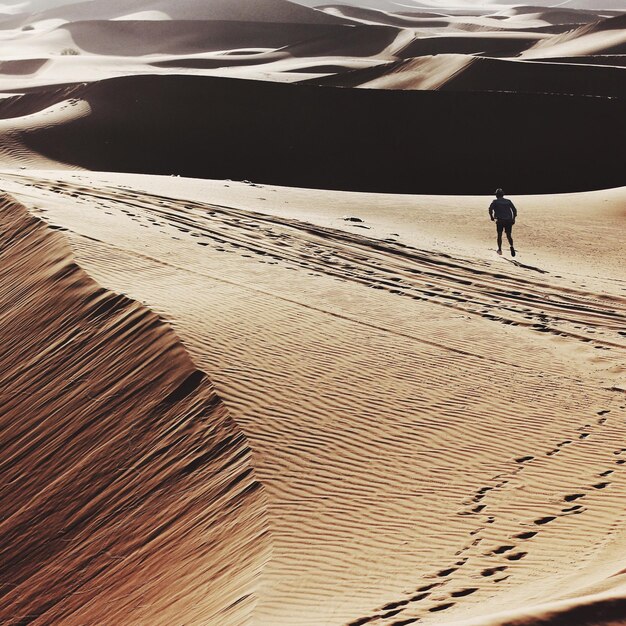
440, 435
127, 494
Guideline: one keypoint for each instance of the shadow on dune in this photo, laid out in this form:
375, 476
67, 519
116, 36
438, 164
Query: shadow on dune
127, 492
22, 67
136, 38
493, 46
484, 75
606, 60
369, 140
595, 610
524, 77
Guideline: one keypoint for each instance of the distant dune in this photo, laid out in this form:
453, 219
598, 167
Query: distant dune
493, 45
132, 38
606, 60
601, 37
557, 15
20, 67
373, 16
278, 11
466, 73
186, 37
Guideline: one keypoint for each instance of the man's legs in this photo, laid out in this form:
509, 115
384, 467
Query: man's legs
509, 235
500, 228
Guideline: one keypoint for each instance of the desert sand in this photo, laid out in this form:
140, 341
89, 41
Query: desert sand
320, 397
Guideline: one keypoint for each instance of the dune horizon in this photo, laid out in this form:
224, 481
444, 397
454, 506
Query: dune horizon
263, 363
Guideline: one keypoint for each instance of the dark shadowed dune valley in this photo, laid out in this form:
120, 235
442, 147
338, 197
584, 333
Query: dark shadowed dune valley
313, 313
135, 125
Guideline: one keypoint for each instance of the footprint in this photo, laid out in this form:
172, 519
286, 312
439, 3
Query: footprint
574, 509
428, 587
395, 605
503, 549
406, 622
481, 493
446, 572
574, 496
601, 485
441, 607
464, 592
524, 459
527, 535
490, 571
607, 473
517, 556
584, 436
544, 520
418, 597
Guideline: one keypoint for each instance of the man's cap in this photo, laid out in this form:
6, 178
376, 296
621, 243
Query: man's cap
499, 192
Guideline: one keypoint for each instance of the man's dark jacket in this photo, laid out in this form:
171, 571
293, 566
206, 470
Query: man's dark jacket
503, 210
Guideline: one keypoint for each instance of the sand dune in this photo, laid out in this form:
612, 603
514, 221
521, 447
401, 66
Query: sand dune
143, 16
607, 609
606, 60
558, 15
123, 472
494, 45
279, 11
210, 139
609, 24
529, 19
13, 152
277, 44
357, 413
413, 487
604, 37
428, 73
373, 16
22, 66
132, 38
522, 77
466, 73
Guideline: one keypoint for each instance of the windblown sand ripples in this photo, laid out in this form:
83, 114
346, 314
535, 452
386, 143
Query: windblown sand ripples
425, 458
127, 492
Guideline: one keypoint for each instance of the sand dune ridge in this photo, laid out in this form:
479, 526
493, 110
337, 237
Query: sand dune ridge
126, 481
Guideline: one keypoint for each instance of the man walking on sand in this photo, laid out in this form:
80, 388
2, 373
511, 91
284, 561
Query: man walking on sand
503, 211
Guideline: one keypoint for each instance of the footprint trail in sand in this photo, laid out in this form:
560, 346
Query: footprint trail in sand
447, 468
